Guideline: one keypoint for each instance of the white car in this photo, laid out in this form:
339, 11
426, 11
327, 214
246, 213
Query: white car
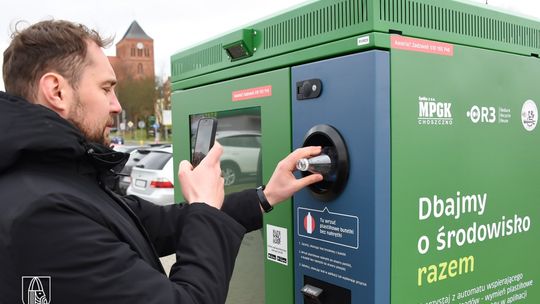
240, 157
153, 176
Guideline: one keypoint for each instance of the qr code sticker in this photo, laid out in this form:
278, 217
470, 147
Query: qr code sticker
277, 237
276, 244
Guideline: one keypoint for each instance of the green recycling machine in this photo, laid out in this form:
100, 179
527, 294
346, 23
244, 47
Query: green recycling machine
428, 112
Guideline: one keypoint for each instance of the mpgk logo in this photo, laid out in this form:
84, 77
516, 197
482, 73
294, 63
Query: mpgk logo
431, 112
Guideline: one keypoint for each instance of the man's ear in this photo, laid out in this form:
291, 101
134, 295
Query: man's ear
55, 92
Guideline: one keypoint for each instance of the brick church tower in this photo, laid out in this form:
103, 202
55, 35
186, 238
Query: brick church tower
134, 58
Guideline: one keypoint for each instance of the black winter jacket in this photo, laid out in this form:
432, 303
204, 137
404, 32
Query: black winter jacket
59, 219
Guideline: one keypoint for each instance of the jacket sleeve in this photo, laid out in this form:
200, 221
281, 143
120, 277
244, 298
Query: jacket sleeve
88, 263
244, 207
161, 221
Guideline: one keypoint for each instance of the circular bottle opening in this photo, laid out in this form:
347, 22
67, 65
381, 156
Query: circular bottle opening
333, 144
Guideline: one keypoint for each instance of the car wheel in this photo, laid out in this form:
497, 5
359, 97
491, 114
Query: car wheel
229, 173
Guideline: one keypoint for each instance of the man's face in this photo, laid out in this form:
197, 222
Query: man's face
94, 101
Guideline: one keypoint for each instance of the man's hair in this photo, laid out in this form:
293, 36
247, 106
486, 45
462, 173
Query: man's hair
47, 46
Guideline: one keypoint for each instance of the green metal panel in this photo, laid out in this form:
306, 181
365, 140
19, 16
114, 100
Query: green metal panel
313, 24
321, 22
492, 69
335, 48
480, 148
275, 143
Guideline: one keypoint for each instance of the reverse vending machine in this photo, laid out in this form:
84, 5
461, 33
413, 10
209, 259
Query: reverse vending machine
427, 113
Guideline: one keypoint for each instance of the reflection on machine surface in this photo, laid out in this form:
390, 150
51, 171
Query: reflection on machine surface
239, 132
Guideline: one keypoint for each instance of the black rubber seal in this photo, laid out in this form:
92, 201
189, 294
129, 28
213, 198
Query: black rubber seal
332, 185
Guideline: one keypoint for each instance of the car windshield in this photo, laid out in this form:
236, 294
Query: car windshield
155, 160
136, 156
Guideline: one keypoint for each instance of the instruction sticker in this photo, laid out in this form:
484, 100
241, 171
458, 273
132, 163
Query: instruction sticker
330, 227
422, 45
276, 244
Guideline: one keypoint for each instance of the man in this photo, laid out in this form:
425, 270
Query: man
58, 217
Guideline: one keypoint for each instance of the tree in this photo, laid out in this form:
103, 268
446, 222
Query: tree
137, 97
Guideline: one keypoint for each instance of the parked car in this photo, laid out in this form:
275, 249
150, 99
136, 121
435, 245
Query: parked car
152, 177
125, 175
118, 140
240, 160
136, 154
125, 148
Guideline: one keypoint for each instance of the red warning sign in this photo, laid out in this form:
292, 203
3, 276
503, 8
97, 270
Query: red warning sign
309, 223
422, 45
252, 93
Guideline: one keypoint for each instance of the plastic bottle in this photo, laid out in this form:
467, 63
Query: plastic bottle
324, 163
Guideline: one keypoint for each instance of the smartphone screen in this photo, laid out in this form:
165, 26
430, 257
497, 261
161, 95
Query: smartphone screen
204, 140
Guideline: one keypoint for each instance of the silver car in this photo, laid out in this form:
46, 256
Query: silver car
152, 177
136, 153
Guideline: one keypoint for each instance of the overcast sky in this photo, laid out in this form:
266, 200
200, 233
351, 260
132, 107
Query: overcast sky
173, 25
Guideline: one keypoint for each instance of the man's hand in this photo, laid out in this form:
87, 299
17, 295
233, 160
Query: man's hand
283, 184
204, 183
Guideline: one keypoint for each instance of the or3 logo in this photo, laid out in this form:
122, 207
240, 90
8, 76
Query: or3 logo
482, 114
529, 115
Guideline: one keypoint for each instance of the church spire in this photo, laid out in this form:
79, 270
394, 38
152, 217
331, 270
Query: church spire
135, 32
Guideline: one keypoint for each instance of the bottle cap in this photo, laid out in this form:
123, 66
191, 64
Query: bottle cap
302, 164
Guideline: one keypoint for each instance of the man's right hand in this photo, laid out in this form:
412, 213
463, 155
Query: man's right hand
203, 183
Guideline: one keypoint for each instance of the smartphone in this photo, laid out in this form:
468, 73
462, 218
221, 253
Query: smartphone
204, 140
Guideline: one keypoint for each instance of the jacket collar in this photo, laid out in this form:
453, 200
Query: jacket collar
35, 132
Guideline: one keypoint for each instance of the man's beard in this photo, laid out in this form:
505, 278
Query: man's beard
96, 135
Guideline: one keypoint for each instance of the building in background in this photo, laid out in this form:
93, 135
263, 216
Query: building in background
136, 89
134, 58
